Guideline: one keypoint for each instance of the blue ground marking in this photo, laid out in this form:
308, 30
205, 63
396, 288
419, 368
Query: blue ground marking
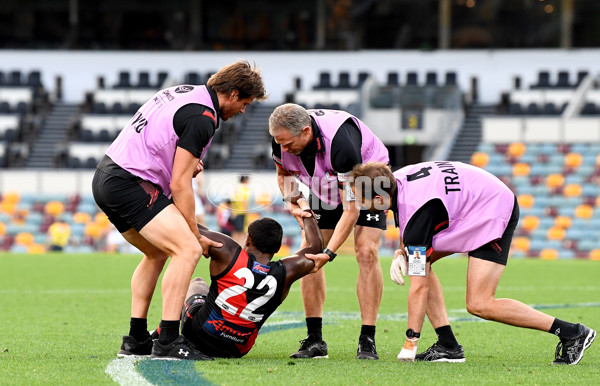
171, 372
280, 327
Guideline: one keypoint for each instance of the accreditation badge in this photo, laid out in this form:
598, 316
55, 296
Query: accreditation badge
417, 260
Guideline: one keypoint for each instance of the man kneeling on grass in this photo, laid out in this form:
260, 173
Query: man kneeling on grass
448, 207
246, 288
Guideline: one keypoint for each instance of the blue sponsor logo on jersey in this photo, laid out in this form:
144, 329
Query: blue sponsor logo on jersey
261, 269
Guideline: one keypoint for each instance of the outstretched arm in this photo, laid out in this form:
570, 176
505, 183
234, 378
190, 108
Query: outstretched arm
298, 264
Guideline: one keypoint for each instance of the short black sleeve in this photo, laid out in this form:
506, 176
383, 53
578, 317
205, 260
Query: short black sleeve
428, 220
276, 148
345, 147
195, 125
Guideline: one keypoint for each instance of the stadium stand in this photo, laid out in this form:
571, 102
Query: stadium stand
552, 165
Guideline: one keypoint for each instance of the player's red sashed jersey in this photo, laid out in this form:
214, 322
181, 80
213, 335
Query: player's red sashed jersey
239, 301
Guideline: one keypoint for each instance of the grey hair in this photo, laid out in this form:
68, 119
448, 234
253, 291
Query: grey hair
290, 117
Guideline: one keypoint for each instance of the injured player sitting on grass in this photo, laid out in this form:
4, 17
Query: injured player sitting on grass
223, 320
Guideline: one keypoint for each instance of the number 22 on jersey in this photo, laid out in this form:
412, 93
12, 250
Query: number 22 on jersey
248, 312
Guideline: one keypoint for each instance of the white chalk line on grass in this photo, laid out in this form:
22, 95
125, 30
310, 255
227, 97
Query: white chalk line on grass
123, 372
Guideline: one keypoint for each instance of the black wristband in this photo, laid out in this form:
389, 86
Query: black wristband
329, 253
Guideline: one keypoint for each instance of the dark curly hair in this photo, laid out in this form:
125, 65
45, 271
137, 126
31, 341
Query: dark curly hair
266, 234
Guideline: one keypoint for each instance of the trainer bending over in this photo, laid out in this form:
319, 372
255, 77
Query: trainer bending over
448, 207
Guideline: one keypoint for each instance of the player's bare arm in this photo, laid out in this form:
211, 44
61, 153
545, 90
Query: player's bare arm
289, 188
298, 264
221, 253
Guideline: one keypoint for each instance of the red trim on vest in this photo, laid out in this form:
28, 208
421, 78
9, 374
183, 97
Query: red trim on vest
210, 115
441, 224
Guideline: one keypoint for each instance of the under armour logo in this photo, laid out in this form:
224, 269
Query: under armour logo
317, 216
372, 217
184, 353
557, 332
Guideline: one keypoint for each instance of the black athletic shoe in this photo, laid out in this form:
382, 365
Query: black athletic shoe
181, 348
438, 353
366, 348
191, 307
311, 348
132, 348
573, 348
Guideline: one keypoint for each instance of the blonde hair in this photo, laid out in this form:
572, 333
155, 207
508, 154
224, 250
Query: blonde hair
239, 76
290, 117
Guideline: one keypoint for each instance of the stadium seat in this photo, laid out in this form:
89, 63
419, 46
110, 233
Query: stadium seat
563, 222
431, 79
572, 190
521, 169
24, 238
124, 80
548, 254
14, 78
392, 79
143, 80
161, 78
324, 81
344, 80
563, 80
480, 159
411, 79
192, 77
573, 160
450, 78
521, 244
526, 200
530, 223
555, 180
581, 75
543, 80
584, 211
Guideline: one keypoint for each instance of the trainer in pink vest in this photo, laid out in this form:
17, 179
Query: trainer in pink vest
479, 205
323, 183
146, 146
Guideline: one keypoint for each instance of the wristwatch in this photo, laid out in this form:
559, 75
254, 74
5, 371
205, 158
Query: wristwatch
410, 333
329, 253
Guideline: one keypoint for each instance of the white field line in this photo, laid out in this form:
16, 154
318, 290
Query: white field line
123, 372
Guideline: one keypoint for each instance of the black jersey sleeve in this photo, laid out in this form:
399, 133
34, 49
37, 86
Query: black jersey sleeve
195, 125
345, 147
427, 221
276, 149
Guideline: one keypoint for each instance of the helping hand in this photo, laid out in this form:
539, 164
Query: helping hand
199, 167
399, 267
320, 260
206, 244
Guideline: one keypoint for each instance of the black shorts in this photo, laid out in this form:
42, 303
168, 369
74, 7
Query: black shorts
497, 250
328, 217
129, 202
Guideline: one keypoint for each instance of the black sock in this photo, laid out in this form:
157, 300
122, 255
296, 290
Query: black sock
563, 329
314, 326
169, 331
446, 337
138, 329
367, 330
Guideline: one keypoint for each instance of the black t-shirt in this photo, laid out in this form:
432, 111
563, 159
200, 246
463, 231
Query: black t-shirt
345, 148
195, 125
425, 223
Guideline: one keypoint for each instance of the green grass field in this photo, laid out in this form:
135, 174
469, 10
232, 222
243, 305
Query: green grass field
63, 317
